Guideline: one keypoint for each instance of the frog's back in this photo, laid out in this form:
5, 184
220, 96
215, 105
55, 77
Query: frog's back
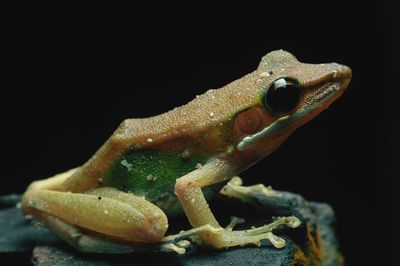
212, 107
146, 156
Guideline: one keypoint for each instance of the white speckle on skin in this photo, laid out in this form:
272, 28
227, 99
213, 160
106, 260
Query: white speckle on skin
126, 164
157, 226
185, 154
105, 212
264, 74
150, 140
151, 177
193, 200
211, 114
230, 149
198, 166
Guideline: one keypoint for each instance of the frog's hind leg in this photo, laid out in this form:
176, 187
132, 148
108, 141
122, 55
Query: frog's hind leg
235, 189
80, 239
52, 183
106, 211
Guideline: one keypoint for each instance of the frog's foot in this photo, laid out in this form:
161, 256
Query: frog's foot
234, 189
234, 221
225, 238
168, 242
228, 238
179, 247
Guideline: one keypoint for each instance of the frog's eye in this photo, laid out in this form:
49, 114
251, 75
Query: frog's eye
283, 96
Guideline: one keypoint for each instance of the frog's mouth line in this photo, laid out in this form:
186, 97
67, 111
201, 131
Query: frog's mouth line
317, 100
320, 94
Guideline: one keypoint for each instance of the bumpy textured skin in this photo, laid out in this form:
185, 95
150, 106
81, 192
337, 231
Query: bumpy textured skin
208, 117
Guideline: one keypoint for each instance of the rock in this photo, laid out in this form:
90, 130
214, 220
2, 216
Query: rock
18, 235
313, 243
317, 241
9, 200
46, 256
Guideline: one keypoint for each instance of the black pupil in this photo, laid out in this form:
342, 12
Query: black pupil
282, 97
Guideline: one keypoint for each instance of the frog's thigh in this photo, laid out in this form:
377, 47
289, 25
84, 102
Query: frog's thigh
81, 240
52, 183
105, 210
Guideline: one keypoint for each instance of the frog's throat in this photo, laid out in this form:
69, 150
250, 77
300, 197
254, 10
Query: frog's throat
284, 121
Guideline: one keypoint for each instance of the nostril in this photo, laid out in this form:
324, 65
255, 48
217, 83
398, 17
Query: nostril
335, 74
341, 72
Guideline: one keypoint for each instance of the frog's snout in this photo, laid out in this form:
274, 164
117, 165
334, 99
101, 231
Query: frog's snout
342, 74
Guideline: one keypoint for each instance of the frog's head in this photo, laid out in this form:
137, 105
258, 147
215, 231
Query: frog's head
290, 93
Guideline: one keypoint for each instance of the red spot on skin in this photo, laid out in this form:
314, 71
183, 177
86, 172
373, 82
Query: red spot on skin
249, 121
180, 188
148, 234
153, 233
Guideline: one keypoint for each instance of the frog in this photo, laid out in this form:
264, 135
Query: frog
152, 169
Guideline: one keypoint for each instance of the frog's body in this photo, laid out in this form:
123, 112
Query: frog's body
178, 141
150, 168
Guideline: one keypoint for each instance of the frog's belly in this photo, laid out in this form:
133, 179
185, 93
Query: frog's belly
167, 200
152, 174
159, 191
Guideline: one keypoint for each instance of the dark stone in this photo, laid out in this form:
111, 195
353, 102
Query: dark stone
9, 200
18, 235
313, 243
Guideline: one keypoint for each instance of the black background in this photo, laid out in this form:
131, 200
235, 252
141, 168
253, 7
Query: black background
70, 77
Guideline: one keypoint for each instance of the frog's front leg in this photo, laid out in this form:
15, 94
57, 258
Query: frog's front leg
104, 212
235, 189
188, 190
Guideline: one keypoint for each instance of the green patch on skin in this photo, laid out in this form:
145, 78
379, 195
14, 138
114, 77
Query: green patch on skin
152, 174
